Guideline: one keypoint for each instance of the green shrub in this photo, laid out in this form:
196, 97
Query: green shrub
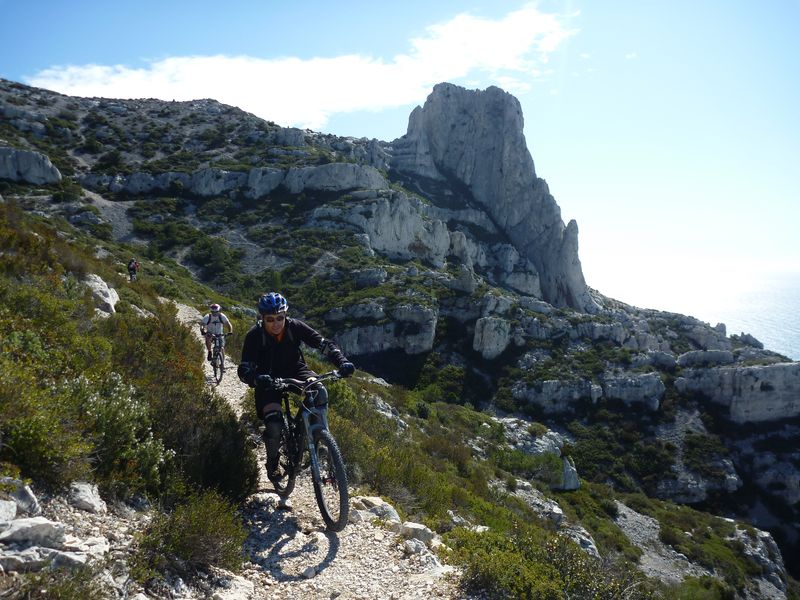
703, 588
114, 399
528, 563
536, 429
701, 452
544, 467
78, 583
161, 358
127, 458
111, 162
203, 531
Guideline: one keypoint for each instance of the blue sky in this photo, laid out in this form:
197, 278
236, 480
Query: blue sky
669, 130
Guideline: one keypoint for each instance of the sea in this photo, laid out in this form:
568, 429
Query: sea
766, 305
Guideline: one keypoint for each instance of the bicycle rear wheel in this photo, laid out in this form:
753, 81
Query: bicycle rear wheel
285, 486
330, 482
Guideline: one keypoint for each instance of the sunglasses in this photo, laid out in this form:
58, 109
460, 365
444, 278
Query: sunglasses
279, 318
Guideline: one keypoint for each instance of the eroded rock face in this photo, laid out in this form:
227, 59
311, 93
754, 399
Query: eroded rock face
27, 166
752, 394
255, 183
412, 328
646, 388
395, 226
474, 141
492, 336
556, 396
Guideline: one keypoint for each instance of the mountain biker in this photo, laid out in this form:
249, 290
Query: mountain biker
133, 268
272, 347
212, 324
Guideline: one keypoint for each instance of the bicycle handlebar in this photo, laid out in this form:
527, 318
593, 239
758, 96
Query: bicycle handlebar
282, 383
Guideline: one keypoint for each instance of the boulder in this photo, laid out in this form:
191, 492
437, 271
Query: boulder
22, 495
569, 476
33, 530
492, 336
27, 166
85, 496
417, 531
105, 297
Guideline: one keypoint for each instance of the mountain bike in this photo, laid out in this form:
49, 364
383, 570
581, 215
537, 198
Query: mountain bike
307, 431
218, 355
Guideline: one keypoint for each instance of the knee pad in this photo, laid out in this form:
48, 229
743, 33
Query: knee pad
273, 422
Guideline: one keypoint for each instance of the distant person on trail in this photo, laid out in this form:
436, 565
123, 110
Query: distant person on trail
133, 268
272, 347
212, 324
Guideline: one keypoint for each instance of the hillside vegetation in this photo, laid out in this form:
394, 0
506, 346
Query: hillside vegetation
119, 399
84, 397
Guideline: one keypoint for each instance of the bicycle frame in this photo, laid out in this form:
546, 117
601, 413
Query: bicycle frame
306, 411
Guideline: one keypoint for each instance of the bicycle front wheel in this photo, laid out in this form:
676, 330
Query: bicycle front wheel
330, 482
285, 485
221, 357
216, 367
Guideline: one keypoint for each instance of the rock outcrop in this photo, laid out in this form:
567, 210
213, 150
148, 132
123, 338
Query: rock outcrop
473, 140
412, 328
751, 394
105, 297
255, 183
27, 166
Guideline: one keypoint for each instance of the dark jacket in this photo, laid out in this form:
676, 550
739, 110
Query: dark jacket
285, 358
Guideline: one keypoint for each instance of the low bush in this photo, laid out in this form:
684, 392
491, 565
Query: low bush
203, 531
77, 583
529, 563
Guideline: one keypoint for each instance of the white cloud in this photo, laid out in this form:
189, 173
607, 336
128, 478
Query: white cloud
305, 93
631, 56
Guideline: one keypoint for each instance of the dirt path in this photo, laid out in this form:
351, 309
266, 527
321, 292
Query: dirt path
293, 557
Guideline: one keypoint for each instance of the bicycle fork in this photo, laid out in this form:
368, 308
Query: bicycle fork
321, 424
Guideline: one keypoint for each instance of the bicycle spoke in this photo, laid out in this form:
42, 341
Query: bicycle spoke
330, 487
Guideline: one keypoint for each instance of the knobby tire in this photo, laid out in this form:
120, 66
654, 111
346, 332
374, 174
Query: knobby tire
285, 486
330, 484
215, 366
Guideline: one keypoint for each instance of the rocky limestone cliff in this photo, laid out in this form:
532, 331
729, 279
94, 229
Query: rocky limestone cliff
473, 140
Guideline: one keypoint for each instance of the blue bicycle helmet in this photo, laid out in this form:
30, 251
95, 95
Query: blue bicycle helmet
272, 304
